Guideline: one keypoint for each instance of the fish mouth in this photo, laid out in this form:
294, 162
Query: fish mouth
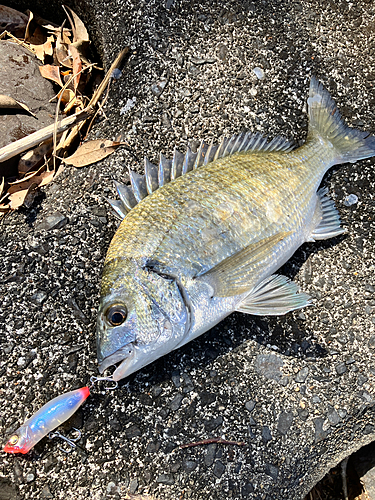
125, 355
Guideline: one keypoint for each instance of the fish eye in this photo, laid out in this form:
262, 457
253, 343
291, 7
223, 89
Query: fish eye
13, 440
116, 314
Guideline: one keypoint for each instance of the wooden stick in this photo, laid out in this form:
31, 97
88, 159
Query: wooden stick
17, 147
212, 440
116, 63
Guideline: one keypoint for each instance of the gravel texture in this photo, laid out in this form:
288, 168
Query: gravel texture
299, 389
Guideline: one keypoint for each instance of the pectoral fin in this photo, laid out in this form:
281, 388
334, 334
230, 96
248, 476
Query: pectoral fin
233, 275
273, 296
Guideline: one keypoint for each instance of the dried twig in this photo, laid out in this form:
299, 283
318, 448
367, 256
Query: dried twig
217, 440
17, 147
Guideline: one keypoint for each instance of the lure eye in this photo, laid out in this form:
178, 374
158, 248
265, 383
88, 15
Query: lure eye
13, 440
116, 314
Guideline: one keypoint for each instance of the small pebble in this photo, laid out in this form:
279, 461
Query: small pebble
116, 74
158, 87
350, 200
130, 103
259, 73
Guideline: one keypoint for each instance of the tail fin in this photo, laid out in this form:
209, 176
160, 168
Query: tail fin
324, 119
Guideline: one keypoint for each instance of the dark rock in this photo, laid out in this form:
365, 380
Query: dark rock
266, 434
189, 465
272, 470
250, 405
333, 416
302, 375
55, 220
284, 422
20, 78
133, 486
219, 469
210, 454
340, 368
133, 431
165, 479
320, 434
176, 402
207, 398
176, 378
39, 297
210, 425
8, 490
246, 490
269, 365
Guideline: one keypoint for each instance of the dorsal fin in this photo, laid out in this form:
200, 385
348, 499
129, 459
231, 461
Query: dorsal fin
169, 170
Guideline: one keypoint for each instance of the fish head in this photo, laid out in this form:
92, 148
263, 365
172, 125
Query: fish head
20, 441
142, 316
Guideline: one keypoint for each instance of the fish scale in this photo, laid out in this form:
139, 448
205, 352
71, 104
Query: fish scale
160, 226
211, 231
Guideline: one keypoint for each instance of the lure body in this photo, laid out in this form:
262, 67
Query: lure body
50, 416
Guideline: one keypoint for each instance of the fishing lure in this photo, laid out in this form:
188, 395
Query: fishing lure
50, 416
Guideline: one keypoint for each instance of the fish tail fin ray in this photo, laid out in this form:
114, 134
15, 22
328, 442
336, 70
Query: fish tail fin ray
325, 120
275, 295
328, 216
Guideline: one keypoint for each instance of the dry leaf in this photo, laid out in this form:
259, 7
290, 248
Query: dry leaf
27, 32
33, 158
43, 49
51, 73
7, 102
78, 28
2, 185
11, 19
91, 152
62, 54
20, 190
67, 96
77, 65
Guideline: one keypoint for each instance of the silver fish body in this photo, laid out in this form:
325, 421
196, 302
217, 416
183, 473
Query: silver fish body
204, 235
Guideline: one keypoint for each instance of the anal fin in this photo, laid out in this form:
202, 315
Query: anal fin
328, 218
274, 296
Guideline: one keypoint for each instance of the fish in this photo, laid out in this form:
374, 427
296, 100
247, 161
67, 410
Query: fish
46, 419
203, 235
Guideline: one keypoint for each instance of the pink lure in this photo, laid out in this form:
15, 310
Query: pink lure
50, 416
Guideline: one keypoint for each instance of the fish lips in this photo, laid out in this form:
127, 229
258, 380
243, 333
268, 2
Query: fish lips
124, 354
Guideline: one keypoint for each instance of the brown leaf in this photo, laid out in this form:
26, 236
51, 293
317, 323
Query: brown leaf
91, 152
11, 19
68, 97
20, 190
62, 53
7, 102
51, 73
83, 47
2, 185
43, 49
27, 31
77, 65
33, 158
78, 28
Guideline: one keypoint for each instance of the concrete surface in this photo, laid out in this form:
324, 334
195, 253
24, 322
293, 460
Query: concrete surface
299, 390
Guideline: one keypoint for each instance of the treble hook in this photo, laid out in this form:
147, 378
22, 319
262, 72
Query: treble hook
71, 441
94, 380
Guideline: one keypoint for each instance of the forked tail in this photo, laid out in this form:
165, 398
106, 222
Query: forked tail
349, 143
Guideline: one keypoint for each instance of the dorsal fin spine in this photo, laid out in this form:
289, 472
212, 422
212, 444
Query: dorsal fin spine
169, 170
